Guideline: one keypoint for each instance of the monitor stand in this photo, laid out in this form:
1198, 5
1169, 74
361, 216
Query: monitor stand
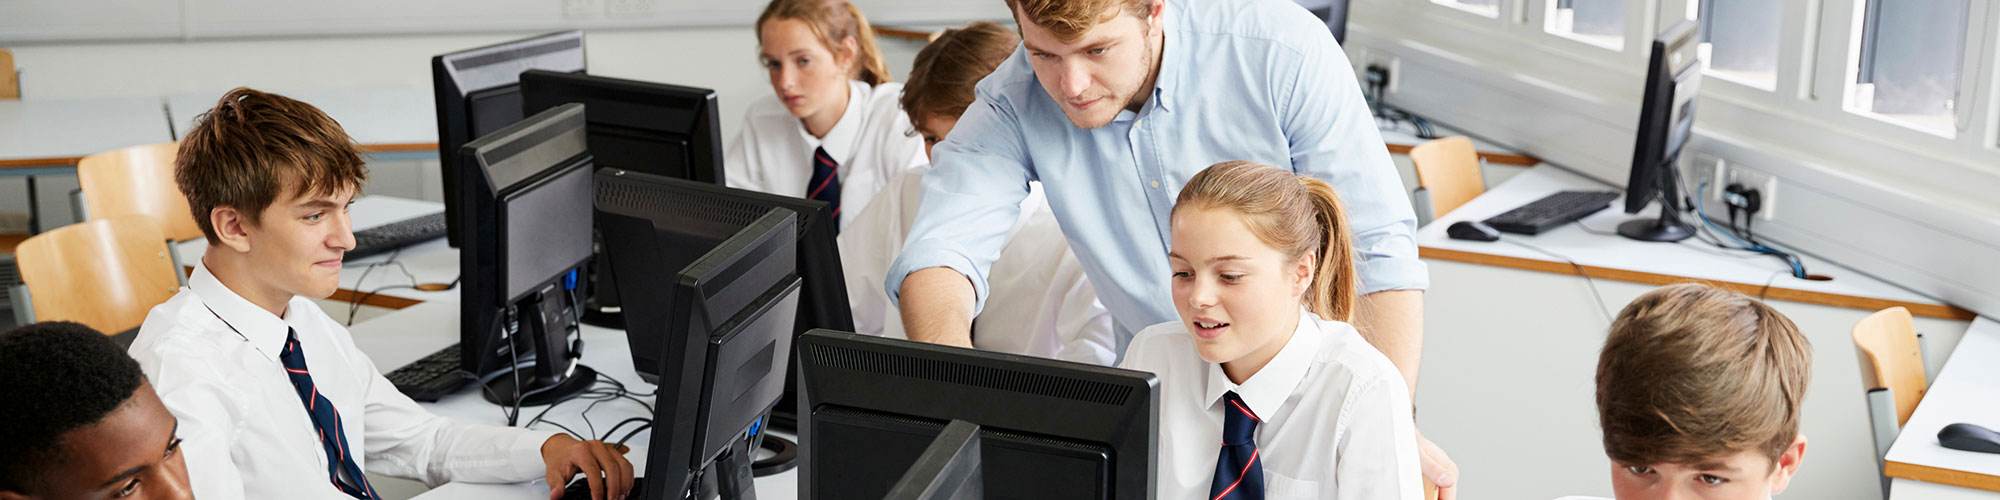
602, 309
1668, 227
546, 319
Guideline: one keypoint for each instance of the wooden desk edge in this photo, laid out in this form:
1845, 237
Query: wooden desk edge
347, 296
902, 33
399, 147
1944, 476
40, 162
1495, 158
1752, 289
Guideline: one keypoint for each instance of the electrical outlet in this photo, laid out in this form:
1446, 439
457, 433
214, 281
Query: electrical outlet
1388, 60
1708, 173
1765, 184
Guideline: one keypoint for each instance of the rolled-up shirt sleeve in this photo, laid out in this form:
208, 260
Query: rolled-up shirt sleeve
972, 197
1333, 137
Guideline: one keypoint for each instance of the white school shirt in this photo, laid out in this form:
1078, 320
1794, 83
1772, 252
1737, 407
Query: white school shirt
872, 141
247, 435
1041, 303
1336, 415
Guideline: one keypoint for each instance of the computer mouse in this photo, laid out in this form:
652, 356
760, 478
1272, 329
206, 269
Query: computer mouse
1968, 437
1472, 230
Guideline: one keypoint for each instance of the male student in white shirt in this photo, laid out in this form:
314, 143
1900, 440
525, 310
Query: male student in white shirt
1041, 303
1699, 392
273, 398
1266, 390
830, 130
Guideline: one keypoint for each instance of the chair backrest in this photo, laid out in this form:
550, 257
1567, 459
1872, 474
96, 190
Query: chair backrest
10, 83
137, 181
105, 273
1448, 169
1891, 359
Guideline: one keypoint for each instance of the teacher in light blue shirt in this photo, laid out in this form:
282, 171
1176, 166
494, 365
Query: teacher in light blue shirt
1112, 105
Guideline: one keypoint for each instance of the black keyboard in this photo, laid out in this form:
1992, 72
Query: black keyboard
432, 377
1551, 211
580, 489
394, 235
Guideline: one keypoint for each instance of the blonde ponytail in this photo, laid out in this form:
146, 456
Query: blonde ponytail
867, 57
1293, 213
834, 21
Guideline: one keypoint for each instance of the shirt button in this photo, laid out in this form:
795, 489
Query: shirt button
1156, 183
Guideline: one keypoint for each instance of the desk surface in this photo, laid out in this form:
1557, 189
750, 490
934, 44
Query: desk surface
379, 119
429, 262
403, 336
58, 132
1966, 390
1608, 256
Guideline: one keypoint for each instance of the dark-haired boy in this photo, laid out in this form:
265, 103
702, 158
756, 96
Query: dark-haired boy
83, 422
274, 399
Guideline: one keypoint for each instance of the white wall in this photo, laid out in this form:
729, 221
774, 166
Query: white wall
723, 59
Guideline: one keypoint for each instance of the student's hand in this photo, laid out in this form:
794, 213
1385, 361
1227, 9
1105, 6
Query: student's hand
1438, 468
607, 471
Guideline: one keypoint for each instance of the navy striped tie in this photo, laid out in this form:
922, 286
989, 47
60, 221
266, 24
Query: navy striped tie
825, 184
326, 422
1238, 475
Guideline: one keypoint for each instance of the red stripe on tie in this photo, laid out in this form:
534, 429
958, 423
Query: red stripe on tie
301, 372
312, 403
835, 214
1246, 411
822, 186
823, 158
1239, 476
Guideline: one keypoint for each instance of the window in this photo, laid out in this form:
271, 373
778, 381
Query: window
1908, 59
1739, 40
1597, 22
1488, 8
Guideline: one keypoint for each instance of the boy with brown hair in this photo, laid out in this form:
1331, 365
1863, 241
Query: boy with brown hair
273, 398
1698, 394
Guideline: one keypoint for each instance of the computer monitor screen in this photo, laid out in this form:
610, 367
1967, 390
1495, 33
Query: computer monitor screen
1666, 121
529, 187
712, 281
652, 128
1331, 12
476, 92
1048, 429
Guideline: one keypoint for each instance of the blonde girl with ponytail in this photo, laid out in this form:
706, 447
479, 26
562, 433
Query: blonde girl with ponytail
1265, 283
832, 128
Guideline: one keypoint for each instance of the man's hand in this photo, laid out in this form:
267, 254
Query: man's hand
1438, 468
607, 471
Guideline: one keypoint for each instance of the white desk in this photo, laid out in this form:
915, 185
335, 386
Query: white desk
1966, 390
1615, 257
403, 336
428, 262
49, 137
392, 124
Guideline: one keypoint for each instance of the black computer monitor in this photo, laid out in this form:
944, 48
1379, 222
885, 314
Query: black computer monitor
528, 187
1666, 121
654, 128
477, 91
712, 284
824, 297
1047, 429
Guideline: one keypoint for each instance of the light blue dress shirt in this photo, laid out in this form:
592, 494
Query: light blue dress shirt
1257, 80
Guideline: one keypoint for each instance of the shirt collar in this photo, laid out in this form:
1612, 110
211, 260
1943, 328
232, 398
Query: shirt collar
1269, 388
263, 330
839, 141
1170, 64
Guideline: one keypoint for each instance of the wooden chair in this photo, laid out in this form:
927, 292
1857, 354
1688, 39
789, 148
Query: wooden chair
1892, 374
1448, 174
10, 81
139, 181
105, 273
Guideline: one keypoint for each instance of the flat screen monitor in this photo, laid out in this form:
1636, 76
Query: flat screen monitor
1047, 429
713, 282
1331, 12
528, 186
477, 91
1666, 121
